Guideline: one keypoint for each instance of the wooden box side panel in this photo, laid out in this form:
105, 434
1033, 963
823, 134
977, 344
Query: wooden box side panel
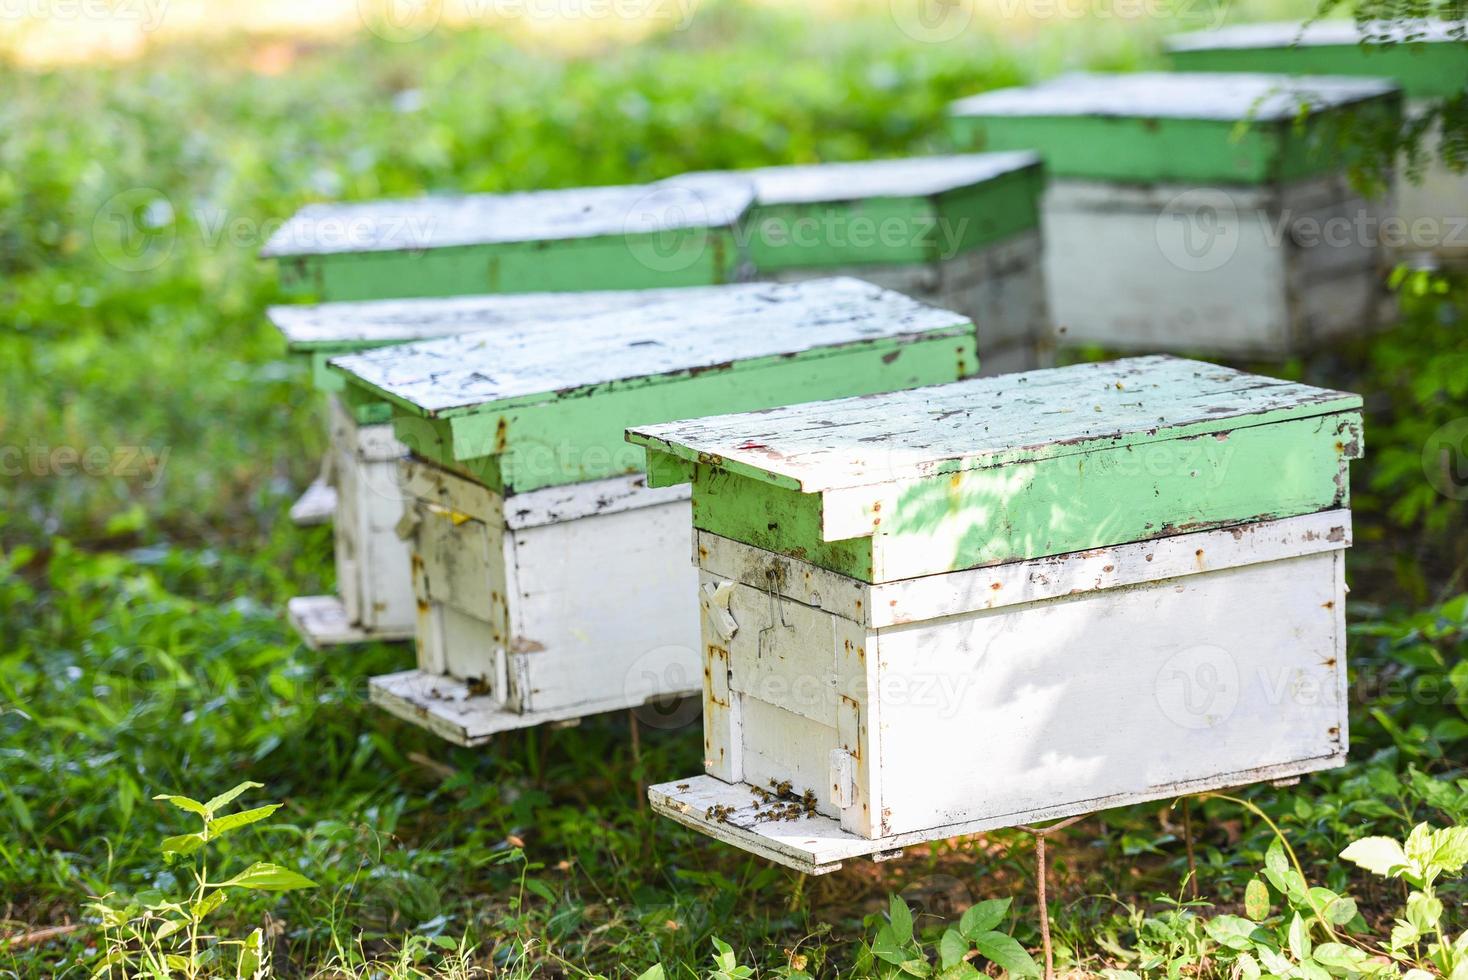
373, 577
458, 565
603, 610
1101, 699
788, 702
1198, 274
1090, 500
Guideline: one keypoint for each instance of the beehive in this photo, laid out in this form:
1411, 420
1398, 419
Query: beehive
630, 237
961, 232
1196, 211
1008, 599
1423, 57
550, 582
359, 482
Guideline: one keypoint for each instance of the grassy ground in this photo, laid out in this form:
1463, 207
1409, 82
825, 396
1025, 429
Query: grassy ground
153, 438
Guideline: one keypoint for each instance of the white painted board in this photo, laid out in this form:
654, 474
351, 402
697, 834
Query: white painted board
920, 176
547, 605
1126, 674
457, 374
1227, 96
442, 221
1320, 33
371, 323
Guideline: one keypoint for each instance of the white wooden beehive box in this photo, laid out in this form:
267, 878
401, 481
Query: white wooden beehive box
961, 232
1198, 212
1009, 599
359, 482
550, 581
1424, 57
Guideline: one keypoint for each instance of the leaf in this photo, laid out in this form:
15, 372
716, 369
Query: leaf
1274, 961
1256, 900
228, 796
183, 845
1232, 931
266, 877
1003, 950
901, 917
208, 904
654, 972
1340, 956
1299, 938
1311, 970
1423, 912
952, 948
983, 916
168, 928
234, 821
541, 888
1340, 910
1379, 855
885, 948
1274, 857
184, 803
249, 961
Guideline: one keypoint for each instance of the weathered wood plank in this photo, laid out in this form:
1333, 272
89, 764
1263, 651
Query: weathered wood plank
1223, 96
1149, 126
473, 373
1426, 57
446, 221
818, 844
346, 326
322, 621
989, 422
878, 606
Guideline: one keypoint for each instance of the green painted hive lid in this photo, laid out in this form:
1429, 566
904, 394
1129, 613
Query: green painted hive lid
634, 237
1013, 467
913, 210
1428, 58
547, 404
1150, 126
530, 217
337, 328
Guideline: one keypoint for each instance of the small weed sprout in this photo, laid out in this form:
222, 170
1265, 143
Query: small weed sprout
167, 938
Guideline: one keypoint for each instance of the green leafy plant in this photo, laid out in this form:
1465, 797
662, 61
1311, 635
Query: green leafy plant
1426, 855
166, 938
895, 949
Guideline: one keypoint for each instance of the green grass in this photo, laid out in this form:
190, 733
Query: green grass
142, 649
